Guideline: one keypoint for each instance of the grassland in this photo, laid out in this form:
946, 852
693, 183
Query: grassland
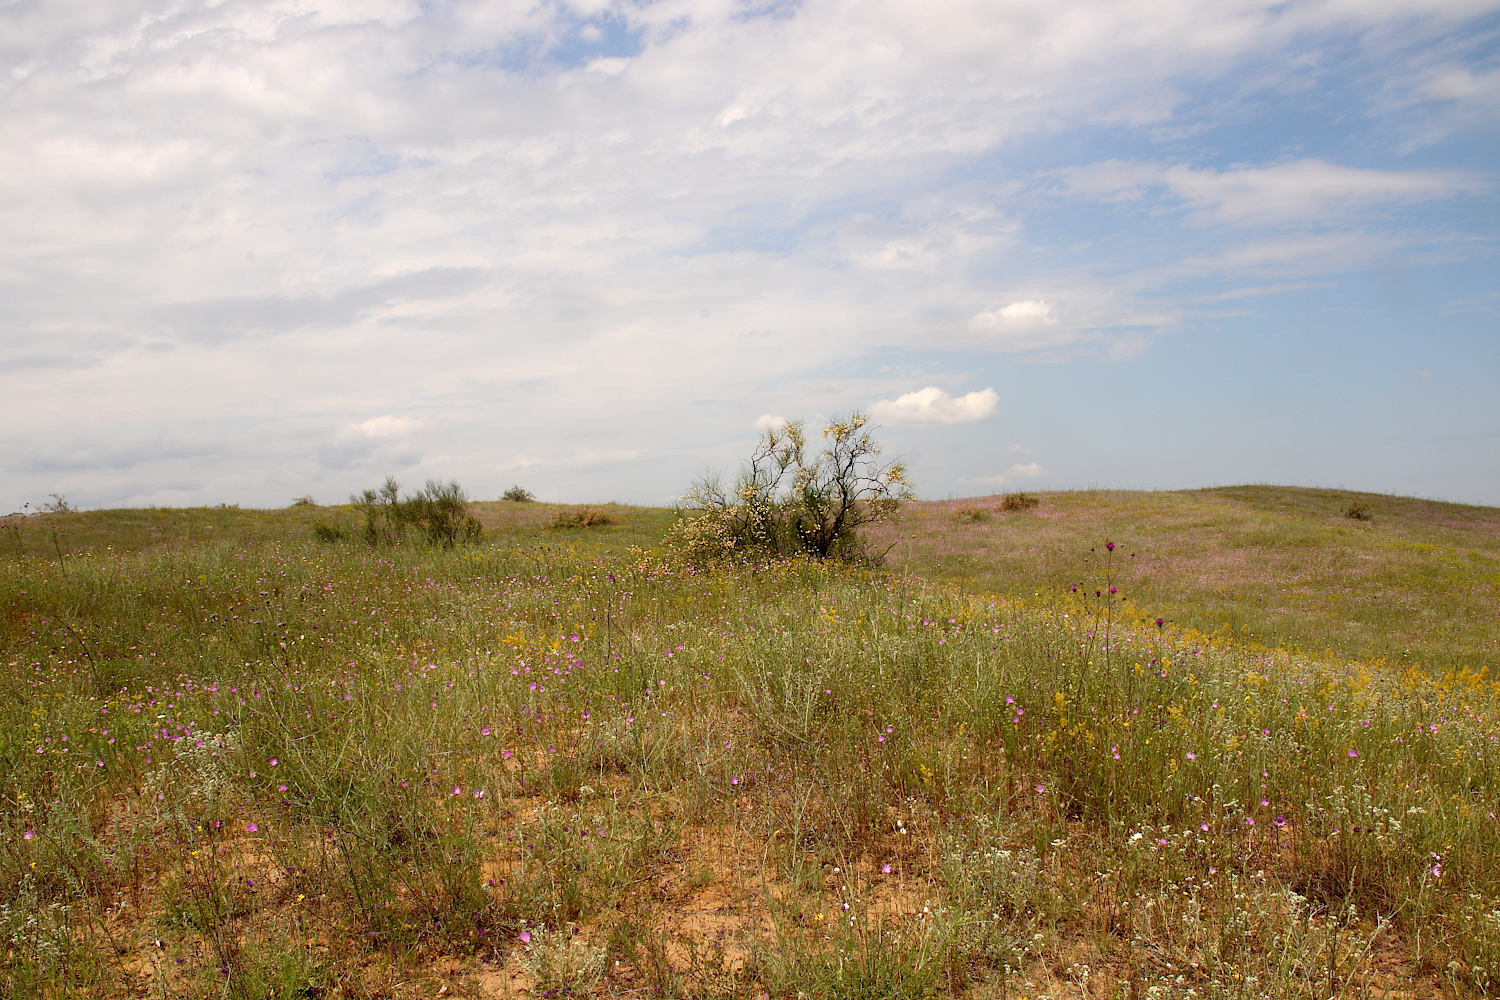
245, 763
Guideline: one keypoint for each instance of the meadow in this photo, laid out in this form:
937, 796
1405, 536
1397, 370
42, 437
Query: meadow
1210, 744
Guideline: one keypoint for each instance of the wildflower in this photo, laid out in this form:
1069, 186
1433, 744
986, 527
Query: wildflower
251, 828
1280, 821
484, 730
1192, 756
29, 835
885, 869
1110, 546
525, 937
1353, 753
1203, 827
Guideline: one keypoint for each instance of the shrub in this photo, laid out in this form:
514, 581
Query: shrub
305, 500
1018, 501
969, 512
439, 513
563, 963
518, 494
1357, 511
581, 517
785, 502
328, 533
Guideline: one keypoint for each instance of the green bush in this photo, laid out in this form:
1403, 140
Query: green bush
518, 494
1018, 501
439, 513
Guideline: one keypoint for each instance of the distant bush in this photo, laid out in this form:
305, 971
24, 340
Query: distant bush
518, 494
304, 500
59, 505
1358, 512
439, 513
581, 517
1018, 501
328, 533
969, 512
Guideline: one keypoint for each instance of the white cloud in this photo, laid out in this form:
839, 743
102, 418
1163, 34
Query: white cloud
1027, 314
768, 422
387, 426
1027, 470
933, 407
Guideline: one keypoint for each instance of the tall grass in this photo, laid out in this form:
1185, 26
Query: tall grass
249, 764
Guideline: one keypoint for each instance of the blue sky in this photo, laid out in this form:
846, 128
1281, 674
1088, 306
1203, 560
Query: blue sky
255, 250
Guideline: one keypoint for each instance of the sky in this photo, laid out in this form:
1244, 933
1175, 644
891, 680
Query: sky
252, 250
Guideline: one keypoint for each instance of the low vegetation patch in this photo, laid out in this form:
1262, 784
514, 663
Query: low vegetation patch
581, 517
1018, 501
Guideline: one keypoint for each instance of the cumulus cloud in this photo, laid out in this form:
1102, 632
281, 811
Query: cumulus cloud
769, 422
933, 407
1027, 470
1026, 314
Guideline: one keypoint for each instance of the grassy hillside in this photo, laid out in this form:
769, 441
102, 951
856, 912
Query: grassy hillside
246, 763
1417, 583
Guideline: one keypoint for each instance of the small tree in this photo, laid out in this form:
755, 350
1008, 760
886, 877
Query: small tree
784, 502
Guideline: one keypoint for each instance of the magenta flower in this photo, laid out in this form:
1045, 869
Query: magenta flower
1109, 546
525, 937
29, 835
484, 730
251, 828
885, 869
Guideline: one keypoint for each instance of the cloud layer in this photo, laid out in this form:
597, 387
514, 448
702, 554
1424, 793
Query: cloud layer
588, 242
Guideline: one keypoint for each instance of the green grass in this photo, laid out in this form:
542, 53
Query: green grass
1416, 585
243, 762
